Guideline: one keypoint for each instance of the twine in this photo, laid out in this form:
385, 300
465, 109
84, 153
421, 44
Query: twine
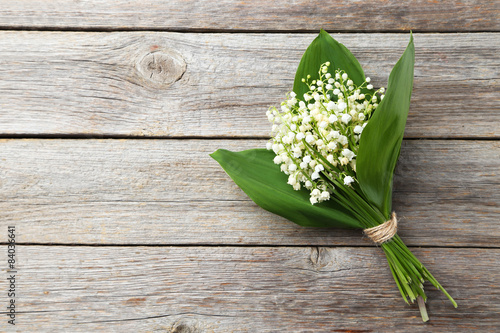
383, 232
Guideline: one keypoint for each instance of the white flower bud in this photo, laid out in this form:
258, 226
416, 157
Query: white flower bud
323, 124
344, 76
348, 153
358, 129
309, 138
333, 118
368, 79
325, 195
342, 106
319, 168
346, 118
334, 134
307, 159
369, 87
348, 180
342, 139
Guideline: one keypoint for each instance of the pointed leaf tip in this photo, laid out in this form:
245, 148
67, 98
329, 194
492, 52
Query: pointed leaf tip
322, 49
380, 143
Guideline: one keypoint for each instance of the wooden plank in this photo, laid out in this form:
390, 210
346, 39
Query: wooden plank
339, 15
172, 192
245, 289
135, 84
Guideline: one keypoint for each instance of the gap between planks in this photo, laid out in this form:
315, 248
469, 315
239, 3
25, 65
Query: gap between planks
314, 32
229, 245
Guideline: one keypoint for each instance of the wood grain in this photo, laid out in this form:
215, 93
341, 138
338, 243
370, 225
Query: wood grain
172, 192
281, 15
220, 85
246, 289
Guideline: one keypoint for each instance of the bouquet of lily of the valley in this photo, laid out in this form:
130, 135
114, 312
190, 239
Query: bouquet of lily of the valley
330, 163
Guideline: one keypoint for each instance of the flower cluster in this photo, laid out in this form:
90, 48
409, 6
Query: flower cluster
316, 139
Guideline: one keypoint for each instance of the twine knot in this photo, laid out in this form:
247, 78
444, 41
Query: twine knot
383, 232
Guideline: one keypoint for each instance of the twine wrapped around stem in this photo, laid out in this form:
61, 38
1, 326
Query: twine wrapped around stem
383, 232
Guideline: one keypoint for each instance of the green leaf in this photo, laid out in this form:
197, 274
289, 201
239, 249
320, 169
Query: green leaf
381, 139
256, 174
324, 48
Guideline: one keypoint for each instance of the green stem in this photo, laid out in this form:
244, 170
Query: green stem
423, 310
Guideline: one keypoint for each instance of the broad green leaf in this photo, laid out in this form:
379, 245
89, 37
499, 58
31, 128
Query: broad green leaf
324, 48
256, 174
381, 140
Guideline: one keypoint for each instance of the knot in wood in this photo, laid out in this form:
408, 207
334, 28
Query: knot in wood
162, 68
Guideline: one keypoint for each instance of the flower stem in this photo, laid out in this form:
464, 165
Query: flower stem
423, 310
410, 274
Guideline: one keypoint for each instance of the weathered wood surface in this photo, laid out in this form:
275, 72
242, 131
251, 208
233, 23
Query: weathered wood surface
246, 289
206, 85
177, 247
337, 15
172, 192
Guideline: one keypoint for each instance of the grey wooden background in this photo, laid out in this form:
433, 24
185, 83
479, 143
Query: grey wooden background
109, 110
